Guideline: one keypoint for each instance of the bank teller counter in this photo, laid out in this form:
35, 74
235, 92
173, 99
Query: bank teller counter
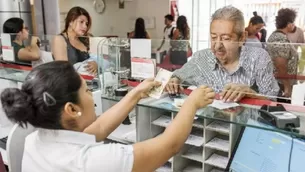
219, 135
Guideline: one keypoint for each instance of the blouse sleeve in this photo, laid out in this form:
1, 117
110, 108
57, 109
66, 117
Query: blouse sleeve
109, 157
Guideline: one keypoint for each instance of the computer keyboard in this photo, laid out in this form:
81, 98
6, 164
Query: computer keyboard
3, 143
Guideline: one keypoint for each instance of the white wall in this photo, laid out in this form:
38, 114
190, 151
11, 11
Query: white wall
115, 21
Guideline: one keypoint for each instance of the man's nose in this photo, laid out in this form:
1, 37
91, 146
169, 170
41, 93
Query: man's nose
218, 45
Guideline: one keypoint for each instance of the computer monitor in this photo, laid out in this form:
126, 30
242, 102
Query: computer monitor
266, 151
297, 156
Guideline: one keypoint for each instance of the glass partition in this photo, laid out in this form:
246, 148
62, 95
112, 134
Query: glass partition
117, 60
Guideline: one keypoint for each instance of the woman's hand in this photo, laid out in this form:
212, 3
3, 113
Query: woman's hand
92, 67
201, 97
145, 87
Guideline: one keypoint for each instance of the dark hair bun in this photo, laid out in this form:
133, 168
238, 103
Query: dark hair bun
255, 13
17, 105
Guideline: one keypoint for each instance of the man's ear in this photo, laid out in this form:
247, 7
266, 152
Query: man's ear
243, 38
71, 109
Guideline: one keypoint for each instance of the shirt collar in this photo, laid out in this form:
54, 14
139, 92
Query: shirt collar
66, 136
243, 62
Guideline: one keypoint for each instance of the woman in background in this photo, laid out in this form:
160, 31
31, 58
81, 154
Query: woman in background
72, 44
69, 137
19, 33
140, 30
180, 43
255, 25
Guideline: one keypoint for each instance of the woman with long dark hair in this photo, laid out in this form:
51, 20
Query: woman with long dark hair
72, 44
180, 42
139, 30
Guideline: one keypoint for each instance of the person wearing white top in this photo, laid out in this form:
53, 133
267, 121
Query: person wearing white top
57, 101
168, 32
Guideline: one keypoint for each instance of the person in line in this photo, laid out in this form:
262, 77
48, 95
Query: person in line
231, 69
72, 44
140, 30
255, 25
180, 45
20, 33
168, 32
284, 55
56, 100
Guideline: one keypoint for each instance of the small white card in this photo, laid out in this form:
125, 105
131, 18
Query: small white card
298, 94
163, 76
222, 105
143, 68
7, 49
140, 48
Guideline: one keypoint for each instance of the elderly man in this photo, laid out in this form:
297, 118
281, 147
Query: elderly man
231, 69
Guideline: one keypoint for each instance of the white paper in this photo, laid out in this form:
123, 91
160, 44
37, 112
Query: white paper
99, 45
194, 140
298, 94
219, 104
162, 121
142, 69
163, 76
218, 161
6, 39
140, 48
45, 57
8, 54
218, 144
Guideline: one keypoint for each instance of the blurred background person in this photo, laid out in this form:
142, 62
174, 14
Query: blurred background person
283, 54
20, 33
255, 25
139, 30
180, 43
168, 32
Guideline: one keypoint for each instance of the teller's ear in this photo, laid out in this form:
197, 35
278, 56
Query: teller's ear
72, 110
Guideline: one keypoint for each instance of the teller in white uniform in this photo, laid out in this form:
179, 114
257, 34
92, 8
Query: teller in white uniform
57, 101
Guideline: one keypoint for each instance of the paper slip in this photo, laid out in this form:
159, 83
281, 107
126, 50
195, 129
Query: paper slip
219, 104
163, 76
143, 68
140, 48
7, 49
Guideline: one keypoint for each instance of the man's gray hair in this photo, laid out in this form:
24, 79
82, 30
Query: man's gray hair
231, 13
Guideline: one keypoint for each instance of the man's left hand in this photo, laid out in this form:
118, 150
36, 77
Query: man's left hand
234, 92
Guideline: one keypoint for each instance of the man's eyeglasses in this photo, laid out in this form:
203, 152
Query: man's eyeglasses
26, 28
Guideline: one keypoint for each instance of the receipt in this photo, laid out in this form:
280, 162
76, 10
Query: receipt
222, 105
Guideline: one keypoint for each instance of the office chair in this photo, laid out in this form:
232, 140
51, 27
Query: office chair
15, 146
2, 167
